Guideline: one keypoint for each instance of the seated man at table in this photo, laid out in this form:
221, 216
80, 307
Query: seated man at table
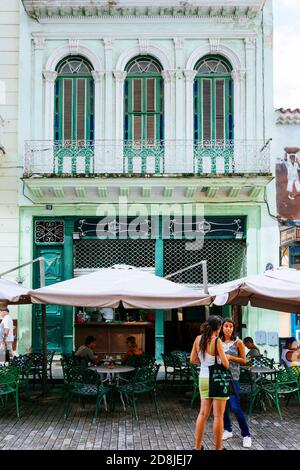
290, 355
86, 351
253, 350
133, 350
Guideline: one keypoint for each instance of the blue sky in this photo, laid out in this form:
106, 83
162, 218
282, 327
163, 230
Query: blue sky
286, 53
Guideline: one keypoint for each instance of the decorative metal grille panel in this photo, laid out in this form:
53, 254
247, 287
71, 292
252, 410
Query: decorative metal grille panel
226, 260
49, 232
95, 254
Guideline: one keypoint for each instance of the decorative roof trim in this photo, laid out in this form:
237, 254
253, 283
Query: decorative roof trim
83, 10
288, 116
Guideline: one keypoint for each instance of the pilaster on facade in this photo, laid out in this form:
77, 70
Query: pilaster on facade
169, 112
179, 42
189, 99
108, 43
39, 43
250, 42
49, 77
120, 76
251, 107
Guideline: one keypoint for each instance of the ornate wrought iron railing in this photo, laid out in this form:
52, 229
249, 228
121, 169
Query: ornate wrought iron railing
74, 158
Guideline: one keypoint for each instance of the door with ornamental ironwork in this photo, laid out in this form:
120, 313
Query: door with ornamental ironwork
55, 314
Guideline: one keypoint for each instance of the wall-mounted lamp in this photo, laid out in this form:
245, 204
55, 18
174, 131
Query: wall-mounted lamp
49, 207
76, 236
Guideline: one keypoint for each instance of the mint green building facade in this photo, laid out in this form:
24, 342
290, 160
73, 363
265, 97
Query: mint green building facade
159, 112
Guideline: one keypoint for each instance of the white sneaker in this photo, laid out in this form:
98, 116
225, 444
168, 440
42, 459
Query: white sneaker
247, 441
227, 435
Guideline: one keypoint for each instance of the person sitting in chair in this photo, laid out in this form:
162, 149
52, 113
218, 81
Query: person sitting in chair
133, 350
290, 355
253, 350
86, 351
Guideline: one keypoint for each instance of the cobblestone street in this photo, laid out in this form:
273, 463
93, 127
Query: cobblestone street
42, 426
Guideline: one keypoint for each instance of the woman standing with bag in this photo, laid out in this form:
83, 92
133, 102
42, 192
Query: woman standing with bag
205, 348
235, 351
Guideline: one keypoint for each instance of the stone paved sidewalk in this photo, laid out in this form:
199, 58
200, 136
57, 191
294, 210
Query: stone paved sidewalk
42, 425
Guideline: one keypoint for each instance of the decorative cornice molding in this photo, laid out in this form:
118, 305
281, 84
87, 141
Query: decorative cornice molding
144, 46
49, 76
39, 43
214, 44
60, 9
178, 42
121, 34
74, 46
120, 75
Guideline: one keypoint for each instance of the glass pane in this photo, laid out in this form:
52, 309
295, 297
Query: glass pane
81, 109
137, 95
74, 65
220, 109
67, 113
150, 94
143, 65
212, 66
206, 109
137, 128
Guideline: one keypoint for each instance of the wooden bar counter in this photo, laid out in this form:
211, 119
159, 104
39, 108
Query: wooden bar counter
111, 336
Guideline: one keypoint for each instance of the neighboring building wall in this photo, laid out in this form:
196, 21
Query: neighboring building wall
286, 147
9, 171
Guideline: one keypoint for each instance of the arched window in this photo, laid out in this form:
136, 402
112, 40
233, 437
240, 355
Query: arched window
143, 101
74, 100
213, 100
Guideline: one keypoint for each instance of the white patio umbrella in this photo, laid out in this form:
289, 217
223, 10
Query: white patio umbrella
277, 289
110, 286
13, 293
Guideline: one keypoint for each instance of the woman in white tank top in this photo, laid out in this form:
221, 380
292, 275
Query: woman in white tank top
205, 348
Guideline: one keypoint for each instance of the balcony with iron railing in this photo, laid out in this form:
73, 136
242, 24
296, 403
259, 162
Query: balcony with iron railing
168, 157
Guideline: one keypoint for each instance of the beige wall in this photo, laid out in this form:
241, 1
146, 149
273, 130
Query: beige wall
9, 63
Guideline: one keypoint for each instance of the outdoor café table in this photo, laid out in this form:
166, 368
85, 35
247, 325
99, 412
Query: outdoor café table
112, 375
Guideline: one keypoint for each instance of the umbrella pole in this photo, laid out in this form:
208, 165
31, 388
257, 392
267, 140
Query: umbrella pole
44, 338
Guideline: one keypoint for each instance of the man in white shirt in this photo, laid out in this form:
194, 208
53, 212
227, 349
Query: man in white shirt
293, 168
7, 331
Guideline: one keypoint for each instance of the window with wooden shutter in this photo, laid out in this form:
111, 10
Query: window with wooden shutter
74, 100
213, 100
143, 101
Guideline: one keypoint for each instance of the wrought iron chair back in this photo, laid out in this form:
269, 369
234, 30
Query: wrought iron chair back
24, 363
9, 383
143, 381
285, 384
83, 382
140, 360
262, 361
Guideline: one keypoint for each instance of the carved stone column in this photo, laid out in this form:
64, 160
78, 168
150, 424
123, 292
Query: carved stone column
37, 118
50, 78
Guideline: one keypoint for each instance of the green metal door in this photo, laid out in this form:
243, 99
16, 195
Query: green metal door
55, 314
